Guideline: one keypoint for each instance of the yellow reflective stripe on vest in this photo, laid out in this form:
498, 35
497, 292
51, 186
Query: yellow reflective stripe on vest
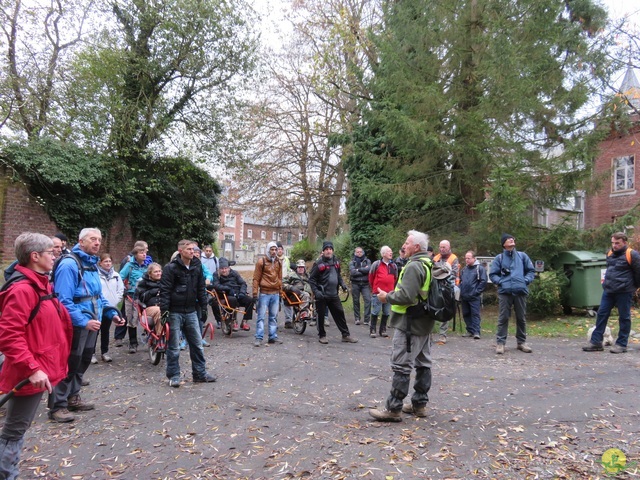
402, 309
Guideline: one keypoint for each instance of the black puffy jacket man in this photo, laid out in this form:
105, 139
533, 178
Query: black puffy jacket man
182, 291
325, 279
232, 284
621, 280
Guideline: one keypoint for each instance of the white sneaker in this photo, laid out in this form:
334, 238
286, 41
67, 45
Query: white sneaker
94, 359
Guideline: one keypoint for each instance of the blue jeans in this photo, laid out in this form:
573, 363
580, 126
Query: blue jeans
608, 301
377, 306
188, 323
270, 301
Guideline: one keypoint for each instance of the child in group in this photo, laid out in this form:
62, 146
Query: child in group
147, 294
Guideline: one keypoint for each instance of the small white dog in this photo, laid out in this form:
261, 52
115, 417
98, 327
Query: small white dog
607, 339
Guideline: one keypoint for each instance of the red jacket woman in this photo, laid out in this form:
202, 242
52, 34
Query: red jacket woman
35, 337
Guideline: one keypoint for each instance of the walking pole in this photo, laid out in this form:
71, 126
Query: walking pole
12, 392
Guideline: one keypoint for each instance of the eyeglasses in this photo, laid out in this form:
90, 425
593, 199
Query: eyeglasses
50, 252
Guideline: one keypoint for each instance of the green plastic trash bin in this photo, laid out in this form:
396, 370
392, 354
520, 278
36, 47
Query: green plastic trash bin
585, 271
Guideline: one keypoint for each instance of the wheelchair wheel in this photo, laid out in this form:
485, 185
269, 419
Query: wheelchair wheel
154, 355
299, 325
227, 325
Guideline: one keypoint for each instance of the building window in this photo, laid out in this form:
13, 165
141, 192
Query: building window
229, 236
300, 236
263, 235
230, 221
249, 234
623, 173
274, 236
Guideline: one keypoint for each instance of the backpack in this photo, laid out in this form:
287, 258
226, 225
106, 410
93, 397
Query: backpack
81, 267
440, 304
17, 277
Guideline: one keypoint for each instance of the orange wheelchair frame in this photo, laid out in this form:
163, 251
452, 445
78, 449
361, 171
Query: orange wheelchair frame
292, 299
228, 314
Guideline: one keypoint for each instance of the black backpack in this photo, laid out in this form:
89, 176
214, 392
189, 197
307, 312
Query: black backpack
17, 277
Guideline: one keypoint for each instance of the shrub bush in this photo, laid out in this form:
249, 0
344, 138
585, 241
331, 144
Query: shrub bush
545, 293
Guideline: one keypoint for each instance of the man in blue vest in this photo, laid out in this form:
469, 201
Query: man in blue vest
411, 345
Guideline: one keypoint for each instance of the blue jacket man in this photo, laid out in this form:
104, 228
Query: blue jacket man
473, 280
621, 280
80, 291
512, 272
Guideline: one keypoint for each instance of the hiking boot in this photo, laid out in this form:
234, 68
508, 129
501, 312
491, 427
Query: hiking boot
467, 335
357, 322
383, 333
592, 347
500, 349
276, 340
75, 404
618, 349
61, 416
384, 415
417, 411
523, 347
366, 322
323, 340
372, 334
85, 383
476, 336
94, 359
312, 323
349, 339
442, 340
208, 378
288, 325
119, 342
205, 343
133, 348
174, 382
257, 342
106, 358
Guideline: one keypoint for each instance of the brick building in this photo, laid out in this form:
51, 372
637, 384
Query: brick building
243, 236
615, 165
20, 212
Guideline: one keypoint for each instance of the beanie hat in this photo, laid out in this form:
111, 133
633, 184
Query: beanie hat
61, 236
505, 237
223, 263
279, 245
429, 248
271, 244
326, 245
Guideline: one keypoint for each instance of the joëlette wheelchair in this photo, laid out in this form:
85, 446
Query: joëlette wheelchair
157, 343
228, 313
299, 320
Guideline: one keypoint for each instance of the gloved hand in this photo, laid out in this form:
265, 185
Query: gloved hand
344, 288
296, 291
319, 296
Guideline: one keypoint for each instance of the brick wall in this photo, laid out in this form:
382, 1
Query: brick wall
20, 212
603, 205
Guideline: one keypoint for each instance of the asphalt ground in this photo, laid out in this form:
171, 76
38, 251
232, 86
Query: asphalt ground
300, 410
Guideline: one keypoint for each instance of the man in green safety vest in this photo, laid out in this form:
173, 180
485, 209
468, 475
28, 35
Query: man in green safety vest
412, 333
